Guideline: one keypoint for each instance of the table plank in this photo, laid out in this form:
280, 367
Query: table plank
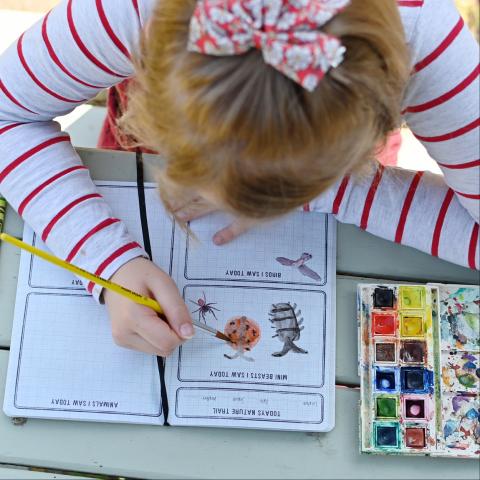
181, 452
13, 223
10, 473
360, 253
9, 264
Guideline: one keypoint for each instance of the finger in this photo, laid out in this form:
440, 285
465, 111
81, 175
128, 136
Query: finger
178, 316
231, 232
155, 331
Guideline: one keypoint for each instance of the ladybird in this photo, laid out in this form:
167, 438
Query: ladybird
243, 332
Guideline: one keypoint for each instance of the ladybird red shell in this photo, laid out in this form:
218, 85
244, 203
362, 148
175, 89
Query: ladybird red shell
244, 333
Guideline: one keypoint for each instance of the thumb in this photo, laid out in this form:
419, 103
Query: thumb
176, 312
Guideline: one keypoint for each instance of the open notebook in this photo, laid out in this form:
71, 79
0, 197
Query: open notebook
278, 279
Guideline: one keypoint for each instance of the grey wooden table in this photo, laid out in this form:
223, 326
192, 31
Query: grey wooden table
156, 452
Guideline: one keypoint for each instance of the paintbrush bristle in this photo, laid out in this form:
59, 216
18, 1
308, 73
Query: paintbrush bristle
222, 336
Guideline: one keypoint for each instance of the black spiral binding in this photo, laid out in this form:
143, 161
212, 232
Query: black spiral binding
148, 249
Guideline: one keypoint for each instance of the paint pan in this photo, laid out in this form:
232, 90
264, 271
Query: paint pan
413, 351
383, 297
387, 435
386, 379
385, 352
384, 323
386, 406
412, 298
412, 325
415, 407
415, 437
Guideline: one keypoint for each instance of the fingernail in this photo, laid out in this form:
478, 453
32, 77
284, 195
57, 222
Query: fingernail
187, 330
217, 239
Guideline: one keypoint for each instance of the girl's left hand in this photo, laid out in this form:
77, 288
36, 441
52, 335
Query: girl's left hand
198, 206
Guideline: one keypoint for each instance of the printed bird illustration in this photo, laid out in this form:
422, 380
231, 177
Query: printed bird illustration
299, 264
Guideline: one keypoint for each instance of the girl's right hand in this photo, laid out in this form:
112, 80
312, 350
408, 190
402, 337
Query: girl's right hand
138, 327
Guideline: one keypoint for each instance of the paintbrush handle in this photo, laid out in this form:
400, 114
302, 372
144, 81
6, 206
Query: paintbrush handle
204, 327
135, 297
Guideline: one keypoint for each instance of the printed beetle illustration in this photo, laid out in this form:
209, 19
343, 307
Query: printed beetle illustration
287, 323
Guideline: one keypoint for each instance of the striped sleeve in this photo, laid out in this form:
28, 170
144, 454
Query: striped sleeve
77, 49
433, 213
441, 104
416, 209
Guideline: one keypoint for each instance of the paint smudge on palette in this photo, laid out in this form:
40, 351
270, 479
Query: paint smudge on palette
461, 371
460, 319
461, 426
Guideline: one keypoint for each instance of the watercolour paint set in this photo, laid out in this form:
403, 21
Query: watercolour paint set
272, 292
419, 351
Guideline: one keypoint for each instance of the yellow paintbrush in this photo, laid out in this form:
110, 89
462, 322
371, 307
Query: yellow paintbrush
125, 292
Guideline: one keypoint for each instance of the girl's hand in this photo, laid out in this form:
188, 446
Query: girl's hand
199, 207
140, 328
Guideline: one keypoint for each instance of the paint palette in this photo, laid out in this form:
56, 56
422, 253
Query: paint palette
419, 364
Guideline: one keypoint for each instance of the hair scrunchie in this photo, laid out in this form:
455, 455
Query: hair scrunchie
286, 31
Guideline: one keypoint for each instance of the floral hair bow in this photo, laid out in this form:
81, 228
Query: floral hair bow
286, 31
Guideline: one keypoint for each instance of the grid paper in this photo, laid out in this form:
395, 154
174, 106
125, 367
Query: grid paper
123, 200
252, 257
63, 361
65, 365
77, 361
244, 278
204, 356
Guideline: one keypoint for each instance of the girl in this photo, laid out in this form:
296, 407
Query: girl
259, 107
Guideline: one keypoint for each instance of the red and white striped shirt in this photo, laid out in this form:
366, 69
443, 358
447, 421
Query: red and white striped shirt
83, 46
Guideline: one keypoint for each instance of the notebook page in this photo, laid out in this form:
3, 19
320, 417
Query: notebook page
63, 361
277, 283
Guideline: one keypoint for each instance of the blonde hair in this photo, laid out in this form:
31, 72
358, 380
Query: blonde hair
245, 132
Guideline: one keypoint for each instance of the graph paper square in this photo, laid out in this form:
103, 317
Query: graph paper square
123, 199
202, 359
257, 255
69, 362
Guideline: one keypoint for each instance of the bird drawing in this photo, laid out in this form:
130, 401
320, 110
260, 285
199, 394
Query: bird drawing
299, 264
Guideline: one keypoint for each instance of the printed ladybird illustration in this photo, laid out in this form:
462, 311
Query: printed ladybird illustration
244, 334
299, 264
